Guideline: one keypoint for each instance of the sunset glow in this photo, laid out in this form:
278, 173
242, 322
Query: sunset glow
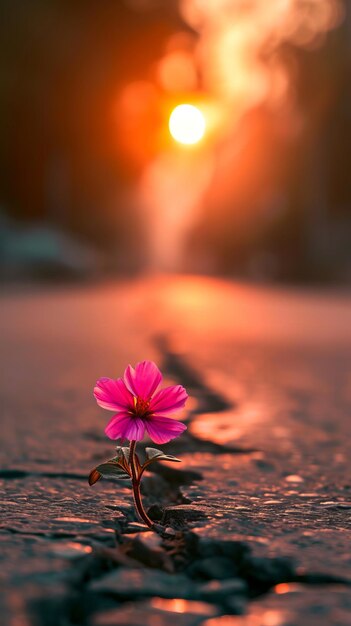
187, 124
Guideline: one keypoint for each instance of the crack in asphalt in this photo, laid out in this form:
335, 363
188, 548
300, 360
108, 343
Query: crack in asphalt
180, 546
13, 474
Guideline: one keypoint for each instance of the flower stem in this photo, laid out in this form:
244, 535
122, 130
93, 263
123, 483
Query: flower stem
136, 487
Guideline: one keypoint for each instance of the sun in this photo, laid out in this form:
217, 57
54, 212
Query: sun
187, 124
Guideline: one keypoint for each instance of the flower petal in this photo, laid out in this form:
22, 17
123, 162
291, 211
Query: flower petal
168, 400
125, 426
143, 381
163, 429
113, 395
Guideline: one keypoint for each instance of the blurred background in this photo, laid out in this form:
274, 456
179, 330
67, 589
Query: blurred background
251, 180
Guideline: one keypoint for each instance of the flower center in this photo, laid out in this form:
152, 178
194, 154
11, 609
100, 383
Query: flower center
141, 406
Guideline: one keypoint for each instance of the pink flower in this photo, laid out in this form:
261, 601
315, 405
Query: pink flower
140, 406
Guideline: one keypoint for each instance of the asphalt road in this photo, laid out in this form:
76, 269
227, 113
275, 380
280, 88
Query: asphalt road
268, 370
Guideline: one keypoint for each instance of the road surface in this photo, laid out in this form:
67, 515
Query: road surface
265, 486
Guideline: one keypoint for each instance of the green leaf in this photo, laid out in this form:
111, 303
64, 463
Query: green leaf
122, 453
94, 476
112, 469
153, 454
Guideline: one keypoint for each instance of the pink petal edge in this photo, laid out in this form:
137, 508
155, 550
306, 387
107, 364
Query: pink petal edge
163, 429
125, 426
113, 395
168, 400
143, 381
